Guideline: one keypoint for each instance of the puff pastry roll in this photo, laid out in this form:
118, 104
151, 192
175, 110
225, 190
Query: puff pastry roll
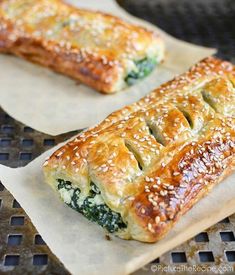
97, 49
144, 166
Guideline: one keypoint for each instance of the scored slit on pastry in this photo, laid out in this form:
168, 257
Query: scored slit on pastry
151, 161
97, 49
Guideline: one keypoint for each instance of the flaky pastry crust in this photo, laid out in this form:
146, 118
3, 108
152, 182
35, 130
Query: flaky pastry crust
154, 159
97, 49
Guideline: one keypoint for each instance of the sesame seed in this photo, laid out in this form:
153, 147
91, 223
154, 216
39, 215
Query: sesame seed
132, 156
176, 173
105, 169
157, 219
147, 179
131, 198
150, 228
163, 193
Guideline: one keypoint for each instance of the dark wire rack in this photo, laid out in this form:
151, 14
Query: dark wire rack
23, 251
203, 22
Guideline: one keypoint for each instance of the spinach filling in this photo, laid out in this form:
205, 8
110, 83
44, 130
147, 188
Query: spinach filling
92, 207
144, 67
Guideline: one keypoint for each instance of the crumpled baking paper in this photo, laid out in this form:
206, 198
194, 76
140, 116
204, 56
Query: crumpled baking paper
54, 104
81, 245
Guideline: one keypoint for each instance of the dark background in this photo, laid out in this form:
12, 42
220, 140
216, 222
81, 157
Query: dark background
204, 22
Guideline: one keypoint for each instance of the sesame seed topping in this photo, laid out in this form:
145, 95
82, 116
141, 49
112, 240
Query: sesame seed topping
150, 228
163, 193
147, 179
157, 219
176, 173
142, 210
59, 154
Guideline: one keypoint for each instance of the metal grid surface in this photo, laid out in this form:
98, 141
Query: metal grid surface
204, 22
22, 251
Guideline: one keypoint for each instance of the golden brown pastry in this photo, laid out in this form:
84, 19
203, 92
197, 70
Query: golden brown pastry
97, 49
147, 164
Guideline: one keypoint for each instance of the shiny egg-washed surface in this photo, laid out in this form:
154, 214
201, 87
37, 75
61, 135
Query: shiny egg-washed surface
97, 49
20, 144
154, 159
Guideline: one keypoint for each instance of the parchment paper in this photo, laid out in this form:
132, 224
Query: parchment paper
81, 245
54, 104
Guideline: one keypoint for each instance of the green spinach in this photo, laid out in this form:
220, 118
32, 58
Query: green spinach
144, 68
99, 213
